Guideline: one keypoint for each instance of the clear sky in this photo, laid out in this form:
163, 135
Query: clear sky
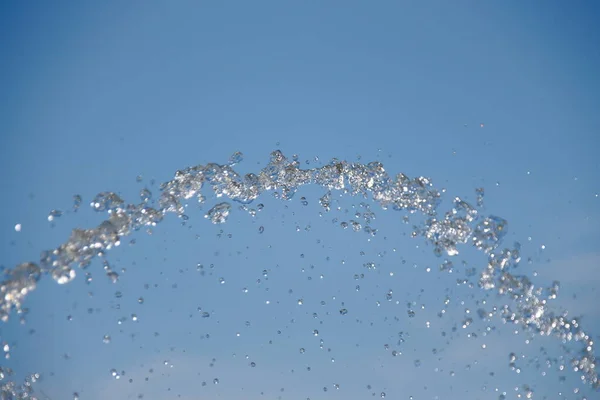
502, 95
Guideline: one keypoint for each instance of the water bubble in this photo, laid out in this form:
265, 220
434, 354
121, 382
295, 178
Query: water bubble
106, 339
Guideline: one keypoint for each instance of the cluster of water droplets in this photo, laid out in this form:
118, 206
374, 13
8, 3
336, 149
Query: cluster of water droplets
462, 225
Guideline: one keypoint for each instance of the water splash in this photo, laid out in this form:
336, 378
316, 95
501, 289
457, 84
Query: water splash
462, 225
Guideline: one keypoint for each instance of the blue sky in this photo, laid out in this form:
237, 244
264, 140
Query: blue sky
96, 94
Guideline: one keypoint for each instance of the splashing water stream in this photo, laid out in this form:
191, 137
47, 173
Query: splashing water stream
446, 232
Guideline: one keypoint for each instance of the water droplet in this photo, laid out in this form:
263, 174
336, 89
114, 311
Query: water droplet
219, 213
54, 214
112, 276
76, 202
145, 195
63, 275
236, 158
106, 201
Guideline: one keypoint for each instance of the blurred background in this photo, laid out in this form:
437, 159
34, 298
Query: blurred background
117, 96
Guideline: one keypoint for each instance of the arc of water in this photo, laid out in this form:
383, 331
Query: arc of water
461, 225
